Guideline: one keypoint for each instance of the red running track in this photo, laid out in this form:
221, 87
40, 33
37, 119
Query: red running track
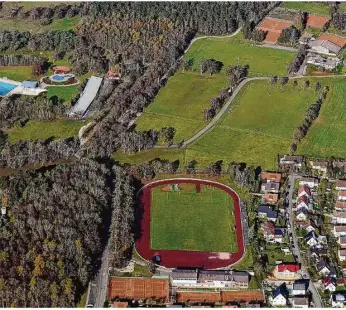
196, 259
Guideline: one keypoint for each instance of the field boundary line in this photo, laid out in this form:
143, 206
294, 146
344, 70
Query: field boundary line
171, 116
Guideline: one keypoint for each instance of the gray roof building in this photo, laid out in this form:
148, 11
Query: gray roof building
325, 46
182, 274
223, 275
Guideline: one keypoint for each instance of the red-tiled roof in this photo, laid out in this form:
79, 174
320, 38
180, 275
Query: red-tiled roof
302, 199
271, 197
341, 183
304, 188
271, 176
289, 267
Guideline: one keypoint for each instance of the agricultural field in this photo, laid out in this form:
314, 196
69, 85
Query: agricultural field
318, 8
327, 135
179, 219
258, 129
235, 50
181, 103
43, 130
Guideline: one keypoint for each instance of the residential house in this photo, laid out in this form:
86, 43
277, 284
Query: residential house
339, 164
294, 160
266, 212
341, 195
287, 271
268, 230
322, 240
302, 215
342, 242
270, 198
304, 190
324, 47
224, 278
340, 185
300, 287
311, 182
311, 239
300, 302
341, 282
182, 277
271, 177
308, 225
340, 206
321, 166
286, 251
279, 296
318, 252
323, 267
342, 254
270, 187
339, 217
302, 202
329, 284
279, 234
338, 299
339, 230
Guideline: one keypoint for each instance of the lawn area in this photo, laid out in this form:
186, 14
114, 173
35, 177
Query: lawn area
236, 50
258, 129
181, 103
148, 155
17, 73
43, 130
318, 8
35, 26
246, 262
187, 220
327, 135
66, 93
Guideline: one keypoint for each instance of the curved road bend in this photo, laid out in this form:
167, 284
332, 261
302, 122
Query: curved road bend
296, 251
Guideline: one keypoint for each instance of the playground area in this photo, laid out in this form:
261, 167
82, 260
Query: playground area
190, 223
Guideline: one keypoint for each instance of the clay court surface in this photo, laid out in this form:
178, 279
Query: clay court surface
341, 41
315, 21
138, 288
187, 258
273, 27
223, 296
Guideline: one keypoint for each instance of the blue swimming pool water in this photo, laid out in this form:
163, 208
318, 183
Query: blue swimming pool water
58, 77
5, 88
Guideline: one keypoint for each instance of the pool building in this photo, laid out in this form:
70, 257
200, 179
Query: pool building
9, 87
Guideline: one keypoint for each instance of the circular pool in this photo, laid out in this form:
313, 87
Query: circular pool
61, 77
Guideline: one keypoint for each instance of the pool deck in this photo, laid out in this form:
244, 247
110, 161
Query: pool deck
19, 90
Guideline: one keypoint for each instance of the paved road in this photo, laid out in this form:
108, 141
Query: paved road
296, 251
98, 287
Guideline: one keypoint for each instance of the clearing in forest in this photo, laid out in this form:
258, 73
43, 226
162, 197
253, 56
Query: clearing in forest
318, 8
183, 219
327, 135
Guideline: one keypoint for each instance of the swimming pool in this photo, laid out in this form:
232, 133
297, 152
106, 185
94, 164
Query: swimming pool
5, 88
61, 77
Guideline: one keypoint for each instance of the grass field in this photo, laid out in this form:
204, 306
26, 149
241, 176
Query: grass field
235, 50
17, 73
258, 129
35, 26
181, 103
327, 135
43, 130
65, 93
318, 8
185, 220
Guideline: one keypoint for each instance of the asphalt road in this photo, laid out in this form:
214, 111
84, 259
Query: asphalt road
296, 251
98, 286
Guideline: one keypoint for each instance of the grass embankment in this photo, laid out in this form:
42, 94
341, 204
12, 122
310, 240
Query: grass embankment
187, 220
259, 128
43, 130
318, 8
327, 135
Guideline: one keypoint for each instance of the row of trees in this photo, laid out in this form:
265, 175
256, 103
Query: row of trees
216, 103
20, 60
251, 33
289, 36
310, 115
298, 60
60, 40
210, 65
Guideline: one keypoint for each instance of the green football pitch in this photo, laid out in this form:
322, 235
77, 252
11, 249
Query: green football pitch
191, 221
